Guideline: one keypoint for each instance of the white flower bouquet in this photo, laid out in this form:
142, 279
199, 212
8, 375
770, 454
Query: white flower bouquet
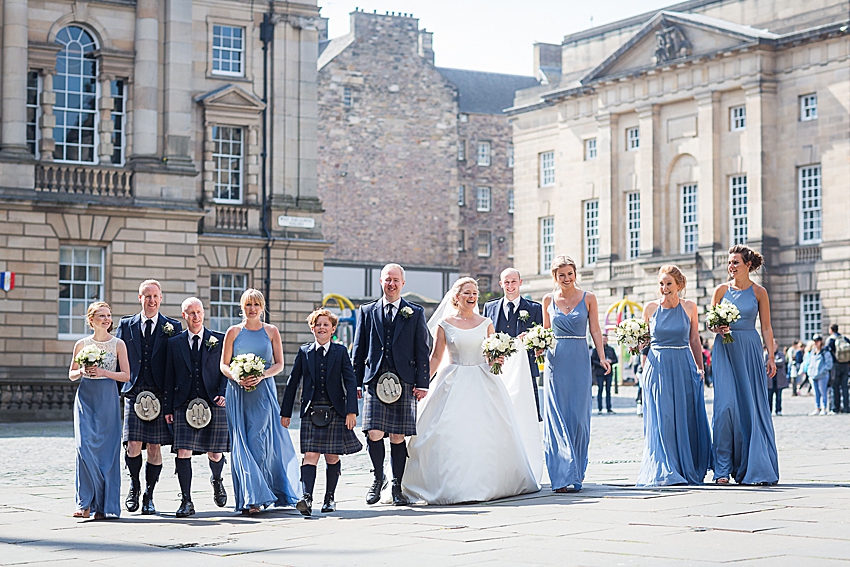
722, 315
538, 338
90, 356
632, 334
247, 366
495, 346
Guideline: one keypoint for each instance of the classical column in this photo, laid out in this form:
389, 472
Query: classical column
105, 127
48, 121
647, 180
761, 135
178, 83
13, 121
606, 144
146, 82
711, 184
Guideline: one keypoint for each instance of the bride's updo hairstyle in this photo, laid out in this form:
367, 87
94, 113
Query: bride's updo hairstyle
251, 294
458, 285
675, 273
748, 256
559, 262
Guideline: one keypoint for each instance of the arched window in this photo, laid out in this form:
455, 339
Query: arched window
75, 85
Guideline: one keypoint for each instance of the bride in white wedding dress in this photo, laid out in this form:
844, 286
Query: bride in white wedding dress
469, 446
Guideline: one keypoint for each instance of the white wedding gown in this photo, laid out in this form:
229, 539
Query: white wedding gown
516, 376
469, 445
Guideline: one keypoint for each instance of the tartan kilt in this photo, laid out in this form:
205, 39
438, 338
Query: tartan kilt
155, 432
214, 438
398, 417
333, 439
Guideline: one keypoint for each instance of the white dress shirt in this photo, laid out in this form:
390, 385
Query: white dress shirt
395, 304
516, 305
155, 320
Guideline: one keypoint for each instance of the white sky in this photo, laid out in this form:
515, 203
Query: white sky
493, 35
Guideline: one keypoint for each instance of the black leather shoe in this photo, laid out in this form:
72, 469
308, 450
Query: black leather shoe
186, 509
219, 493
132, 501
399, 499
305, 505
374, 493
148, 509
329, 505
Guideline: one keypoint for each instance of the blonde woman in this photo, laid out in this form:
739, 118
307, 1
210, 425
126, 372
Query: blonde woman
568, 377
263, 463
97, 418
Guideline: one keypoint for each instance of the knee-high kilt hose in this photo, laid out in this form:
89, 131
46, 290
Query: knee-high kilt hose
398, 417
213, 438
155, 432
335, 438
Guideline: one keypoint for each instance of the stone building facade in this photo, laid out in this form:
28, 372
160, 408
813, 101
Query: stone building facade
670, 136
398, 138
132, 135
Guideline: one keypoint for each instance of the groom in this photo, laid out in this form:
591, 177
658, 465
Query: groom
390, 352
514, 315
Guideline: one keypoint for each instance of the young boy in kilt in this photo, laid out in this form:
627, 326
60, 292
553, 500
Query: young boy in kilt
328, 407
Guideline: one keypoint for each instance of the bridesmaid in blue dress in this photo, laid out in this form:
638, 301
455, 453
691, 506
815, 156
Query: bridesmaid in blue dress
677, 441
263, 463
97, 419
568, 378
744, 442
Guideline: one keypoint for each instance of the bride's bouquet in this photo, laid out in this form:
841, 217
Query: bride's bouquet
722, 315
538, 338
495, 346
247, 366
90, 356
632, 334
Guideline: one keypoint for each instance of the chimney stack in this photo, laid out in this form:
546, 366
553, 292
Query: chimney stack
426, 46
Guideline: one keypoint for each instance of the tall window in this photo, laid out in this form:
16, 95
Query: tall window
591, 231
809, 181
510, 244
690, 222
225, 292
738, 207
632, 139
33, 111
633, 222
810, 315
483, 203
510, 155
484, 244
461, 241
547, 243
227, 159
511, 201
590, 149
461, 150
461, 196
483, 153
738, 118
80, 283
809, 107
485, 283
547, 169
75, 85
119, 99
346, 97
228, 50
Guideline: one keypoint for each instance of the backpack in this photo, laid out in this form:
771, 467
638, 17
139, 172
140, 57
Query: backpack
842, 350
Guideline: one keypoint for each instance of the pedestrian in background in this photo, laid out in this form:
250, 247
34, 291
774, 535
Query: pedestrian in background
839, 347
817, 365
602, 379
779, 381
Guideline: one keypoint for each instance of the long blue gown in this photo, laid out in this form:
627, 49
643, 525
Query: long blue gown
97, 437
567, 392
677, 441
263, 462
744, 442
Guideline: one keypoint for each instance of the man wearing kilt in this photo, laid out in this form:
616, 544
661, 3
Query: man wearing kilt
194, 403
328, 407
390, 358
145, 335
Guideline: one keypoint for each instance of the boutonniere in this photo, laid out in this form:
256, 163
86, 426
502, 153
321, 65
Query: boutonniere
211, 342
523, 315
406, 312
168, 329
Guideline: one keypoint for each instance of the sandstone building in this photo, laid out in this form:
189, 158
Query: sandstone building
670, 136
132, 144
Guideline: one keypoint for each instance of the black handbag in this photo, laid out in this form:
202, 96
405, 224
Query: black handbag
321, 415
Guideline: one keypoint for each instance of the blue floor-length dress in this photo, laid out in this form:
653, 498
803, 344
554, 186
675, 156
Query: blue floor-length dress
263, 462
744, 441
97, 437
567, 392
677, 440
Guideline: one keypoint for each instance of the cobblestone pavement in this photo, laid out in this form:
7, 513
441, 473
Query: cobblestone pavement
802, 521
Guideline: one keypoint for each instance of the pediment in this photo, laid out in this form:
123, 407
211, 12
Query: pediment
672, 37
232, 98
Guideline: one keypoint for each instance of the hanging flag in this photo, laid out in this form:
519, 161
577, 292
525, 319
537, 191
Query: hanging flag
7, 281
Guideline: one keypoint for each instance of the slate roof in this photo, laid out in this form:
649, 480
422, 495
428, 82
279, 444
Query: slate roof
486, 93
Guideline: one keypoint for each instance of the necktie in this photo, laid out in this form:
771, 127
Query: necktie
511, 323
390, 312
148, 328
196, 345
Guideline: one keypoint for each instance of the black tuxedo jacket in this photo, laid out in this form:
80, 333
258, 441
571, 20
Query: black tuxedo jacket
495, 310
341, 383
178, 370
130, 331
409, 344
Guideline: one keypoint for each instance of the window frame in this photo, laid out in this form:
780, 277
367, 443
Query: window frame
510, 151
511, 201
36, 108
547, 242
216, 170
738, 118
814, 224
590, 225
120, 133
808, 112
484, 153
590, 150
811, 314
547, 174
84, 302
64, 112
461, 195
461, 240
738, 220
242, 52
484, 237
633, 139
633, 225
217, 304
483, 199
347, 97
461, 150
689, 219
